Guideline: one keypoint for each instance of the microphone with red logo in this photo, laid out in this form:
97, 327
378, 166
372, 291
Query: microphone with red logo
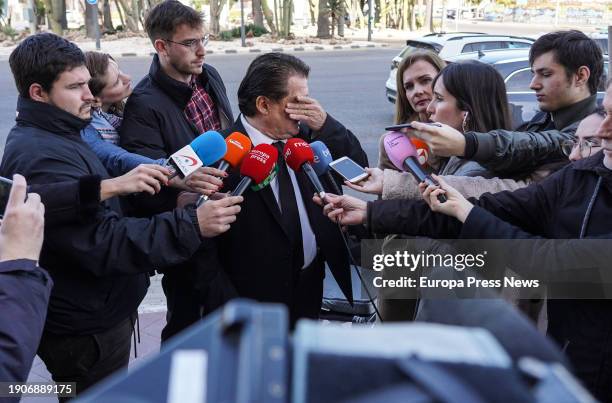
298, 155
204, 150
256, 167
403, 155
238, 145
422, 151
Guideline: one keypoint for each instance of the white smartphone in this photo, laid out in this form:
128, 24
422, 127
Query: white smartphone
349, 169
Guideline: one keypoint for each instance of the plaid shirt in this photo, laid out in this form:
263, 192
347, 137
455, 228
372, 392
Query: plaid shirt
200, 109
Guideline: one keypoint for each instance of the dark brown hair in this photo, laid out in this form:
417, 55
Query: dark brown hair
572, 50
40, 59
267, 76
163, 19
97, 64
479, 90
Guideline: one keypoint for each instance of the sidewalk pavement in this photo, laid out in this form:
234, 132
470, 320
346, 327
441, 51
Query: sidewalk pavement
305, 42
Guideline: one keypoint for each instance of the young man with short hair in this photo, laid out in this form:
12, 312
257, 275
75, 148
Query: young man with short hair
99, 266
180, 98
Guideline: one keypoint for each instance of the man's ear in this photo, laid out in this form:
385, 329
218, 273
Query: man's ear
582, 76
160, 46
37, 93
262, 104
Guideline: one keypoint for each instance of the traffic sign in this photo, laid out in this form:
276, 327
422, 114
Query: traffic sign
92, 2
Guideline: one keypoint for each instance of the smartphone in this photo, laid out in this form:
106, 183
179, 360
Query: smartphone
5, 191
349, 169
407, 126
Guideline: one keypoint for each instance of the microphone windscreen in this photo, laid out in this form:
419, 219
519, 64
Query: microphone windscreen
210, 147
238, 145
259, 162
296, 153
398, 148
322, 157
422, 150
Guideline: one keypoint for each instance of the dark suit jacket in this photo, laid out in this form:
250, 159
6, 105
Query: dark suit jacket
255, 252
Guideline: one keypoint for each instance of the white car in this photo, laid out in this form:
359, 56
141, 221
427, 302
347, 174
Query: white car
453, 44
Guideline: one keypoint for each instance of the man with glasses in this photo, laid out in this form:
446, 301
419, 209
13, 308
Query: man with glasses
180, 98
586, 143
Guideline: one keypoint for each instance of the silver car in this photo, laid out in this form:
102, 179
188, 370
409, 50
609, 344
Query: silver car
453, 44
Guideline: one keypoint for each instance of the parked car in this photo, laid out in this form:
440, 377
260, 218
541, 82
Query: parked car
513, 65
453, 44
602, 41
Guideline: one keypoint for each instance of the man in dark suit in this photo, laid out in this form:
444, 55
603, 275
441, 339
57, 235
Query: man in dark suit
277, 249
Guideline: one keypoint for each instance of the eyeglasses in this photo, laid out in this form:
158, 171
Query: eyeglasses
585, 146
192, 43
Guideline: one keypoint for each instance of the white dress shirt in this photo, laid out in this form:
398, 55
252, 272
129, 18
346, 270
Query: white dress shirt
308, 238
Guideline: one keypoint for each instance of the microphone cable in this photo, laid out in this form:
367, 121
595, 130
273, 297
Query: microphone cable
355, 266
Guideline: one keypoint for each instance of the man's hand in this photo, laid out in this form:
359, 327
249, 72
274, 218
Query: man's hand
345, 210
308, 111
144, 178
372, 184
455, 206
21, 232
216, 216
206, 180
443, 141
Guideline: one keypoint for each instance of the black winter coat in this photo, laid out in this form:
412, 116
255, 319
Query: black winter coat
556, 208
154, 123
99, 267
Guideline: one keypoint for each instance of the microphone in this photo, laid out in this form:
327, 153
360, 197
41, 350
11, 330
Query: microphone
322, 159
237, 145
256, 167
403, 155
298, 154
205, 149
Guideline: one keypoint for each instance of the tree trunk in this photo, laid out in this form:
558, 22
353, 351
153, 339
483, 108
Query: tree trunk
269, 16
108, 19
56, 15
323, 26
360, 20
120, 14
287, 17
384, 12
130, 15
341, 23
312, 9
90, 20
257, 13
215, 13
429, 15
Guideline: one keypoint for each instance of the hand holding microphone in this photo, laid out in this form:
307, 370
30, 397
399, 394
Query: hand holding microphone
456, 205
403, 155
204, 150
146, 178
237, 147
